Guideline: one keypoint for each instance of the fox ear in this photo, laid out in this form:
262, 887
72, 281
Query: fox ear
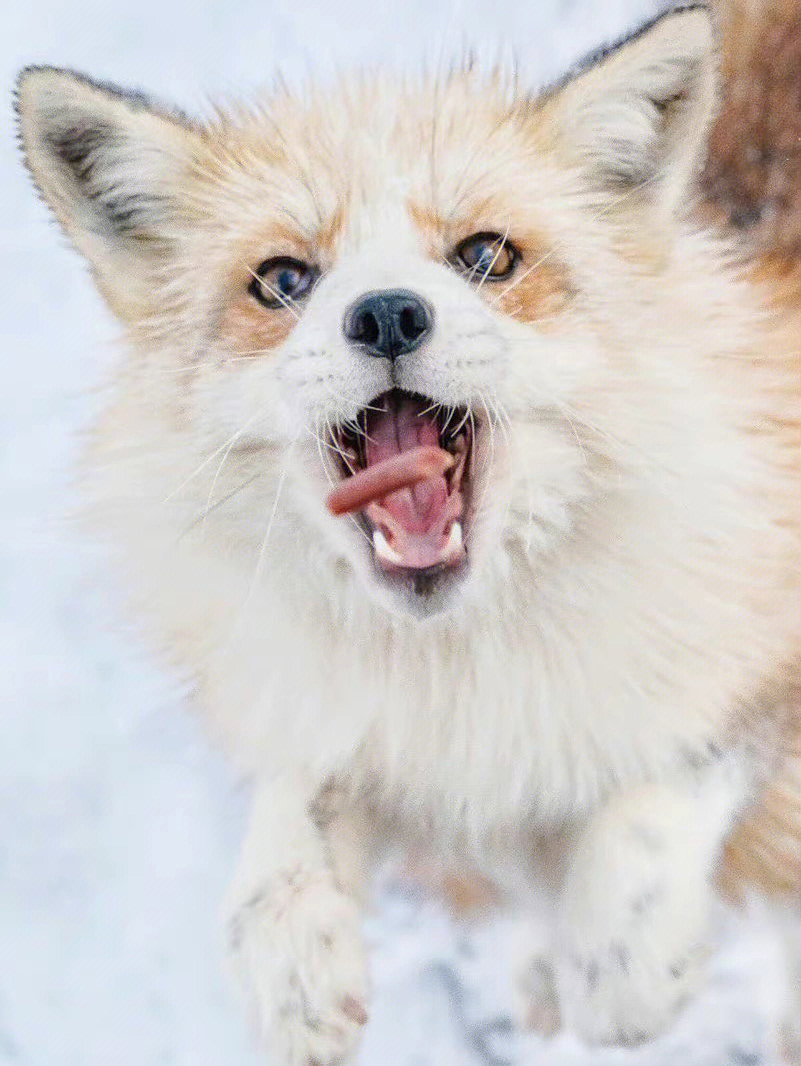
636, 115
114, 170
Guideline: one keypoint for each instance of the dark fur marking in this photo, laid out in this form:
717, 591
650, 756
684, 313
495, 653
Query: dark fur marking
622, 956
741, 1057
79, 148
678, 969
670, 101
77, 144
136, 99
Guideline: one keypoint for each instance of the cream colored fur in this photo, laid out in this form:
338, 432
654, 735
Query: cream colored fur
607, 684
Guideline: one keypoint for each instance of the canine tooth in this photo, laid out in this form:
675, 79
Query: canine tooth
455, 538
383, 549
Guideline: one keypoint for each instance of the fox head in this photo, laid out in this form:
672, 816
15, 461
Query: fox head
313, 284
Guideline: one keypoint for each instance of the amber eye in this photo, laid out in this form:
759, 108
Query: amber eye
282, 280
486, 257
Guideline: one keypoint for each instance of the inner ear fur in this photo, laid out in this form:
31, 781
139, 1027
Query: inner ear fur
115, 169
636, 115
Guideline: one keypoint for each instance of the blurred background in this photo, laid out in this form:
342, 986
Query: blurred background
119, 826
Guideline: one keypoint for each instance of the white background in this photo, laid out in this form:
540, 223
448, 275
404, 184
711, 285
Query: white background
118, 825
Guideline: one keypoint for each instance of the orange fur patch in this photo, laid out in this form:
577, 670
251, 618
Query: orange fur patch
247, 326
536, 290
765, 848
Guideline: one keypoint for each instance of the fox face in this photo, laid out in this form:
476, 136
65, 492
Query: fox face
320, 285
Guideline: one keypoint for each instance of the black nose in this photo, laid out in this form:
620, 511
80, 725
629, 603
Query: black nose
389, 322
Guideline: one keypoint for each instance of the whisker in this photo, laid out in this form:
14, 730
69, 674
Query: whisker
504, 421
263, 549
320, 444
435, 406
258, 569
213, 455
530, 522
650, 462
332, 445
219, 503
498, 251
575, 433
219, 468
344, 401
491, 456
504, 424
468, 414
451, 412
273, 292
522, 277
612, 206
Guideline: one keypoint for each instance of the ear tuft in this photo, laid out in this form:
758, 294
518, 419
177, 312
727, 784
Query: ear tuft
638, 113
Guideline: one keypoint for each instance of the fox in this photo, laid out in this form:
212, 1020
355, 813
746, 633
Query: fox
454, 458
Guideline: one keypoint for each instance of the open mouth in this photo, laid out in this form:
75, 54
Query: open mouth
421, 529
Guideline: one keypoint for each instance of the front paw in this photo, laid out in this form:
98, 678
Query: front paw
623, 975
299, 955
619, 994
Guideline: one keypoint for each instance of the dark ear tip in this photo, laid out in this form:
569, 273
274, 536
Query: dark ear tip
75, 82
34, 71
25, 85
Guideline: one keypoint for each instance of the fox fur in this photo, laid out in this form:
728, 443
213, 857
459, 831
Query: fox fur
608, 702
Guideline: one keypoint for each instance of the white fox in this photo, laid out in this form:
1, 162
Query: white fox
575, 650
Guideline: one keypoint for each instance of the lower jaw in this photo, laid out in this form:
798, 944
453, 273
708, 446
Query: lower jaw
421, 592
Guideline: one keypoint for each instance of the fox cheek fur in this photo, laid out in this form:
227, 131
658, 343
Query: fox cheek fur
583, 642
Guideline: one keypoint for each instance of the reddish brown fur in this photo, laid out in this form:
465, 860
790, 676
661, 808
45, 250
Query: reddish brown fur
249, 328
752, 181
753, 176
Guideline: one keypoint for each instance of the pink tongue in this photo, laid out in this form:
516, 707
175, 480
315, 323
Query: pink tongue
397, 430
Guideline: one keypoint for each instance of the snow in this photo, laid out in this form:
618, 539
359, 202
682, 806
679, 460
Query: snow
119, 825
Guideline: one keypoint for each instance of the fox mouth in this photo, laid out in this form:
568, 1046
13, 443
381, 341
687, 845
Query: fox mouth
419, 532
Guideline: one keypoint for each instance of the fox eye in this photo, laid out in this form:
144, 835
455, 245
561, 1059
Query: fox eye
280, 281
486, 256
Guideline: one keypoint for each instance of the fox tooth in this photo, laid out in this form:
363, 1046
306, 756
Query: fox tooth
383, 549
455, 538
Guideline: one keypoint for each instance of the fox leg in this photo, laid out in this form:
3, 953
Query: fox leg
633, 915
293, 917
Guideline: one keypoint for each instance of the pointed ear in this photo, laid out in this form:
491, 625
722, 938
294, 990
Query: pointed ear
116, 172
637, 114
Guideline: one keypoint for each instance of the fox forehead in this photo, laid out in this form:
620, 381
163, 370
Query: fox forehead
378, 159
151, 197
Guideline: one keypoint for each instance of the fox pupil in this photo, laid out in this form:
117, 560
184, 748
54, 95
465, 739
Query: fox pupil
288, 281
279, 280
486, 256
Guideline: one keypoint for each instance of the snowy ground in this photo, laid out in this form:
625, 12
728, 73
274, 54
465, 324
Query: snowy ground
118, 825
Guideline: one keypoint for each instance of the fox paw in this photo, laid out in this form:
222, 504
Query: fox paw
633, 951
611, 994
298, 953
